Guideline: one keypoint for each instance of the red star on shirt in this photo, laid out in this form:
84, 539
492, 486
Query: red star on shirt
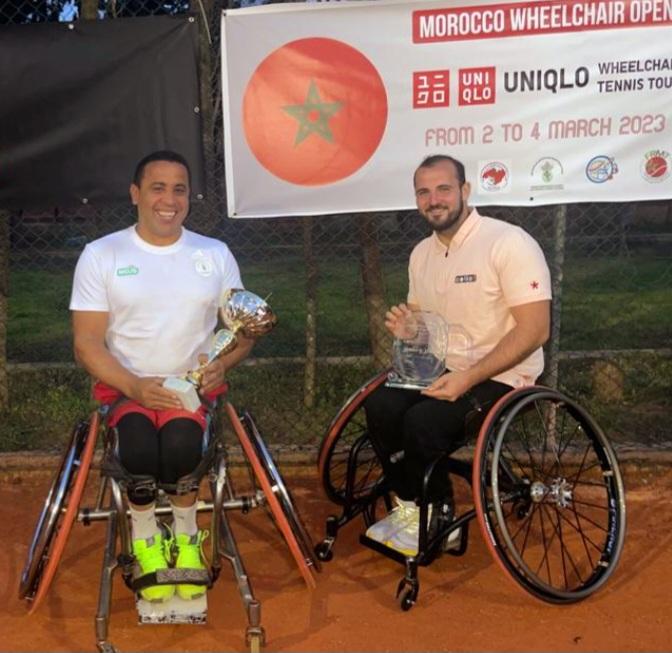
535, 285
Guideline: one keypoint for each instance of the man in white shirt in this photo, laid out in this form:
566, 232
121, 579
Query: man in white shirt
491, 280
144, 307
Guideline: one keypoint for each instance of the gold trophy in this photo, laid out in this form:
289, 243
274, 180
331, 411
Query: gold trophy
240, 311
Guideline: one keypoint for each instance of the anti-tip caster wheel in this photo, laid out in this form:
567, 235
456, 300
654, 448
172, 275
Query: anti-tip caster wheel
323, 551
407, 600
255, 639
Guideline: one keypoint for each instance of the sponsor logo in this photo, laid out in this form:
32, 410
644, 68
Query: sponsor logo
494, 177
656, 166
549, 79
128, 271
431, 88
547, 174
477, 86
601, 168
465, 278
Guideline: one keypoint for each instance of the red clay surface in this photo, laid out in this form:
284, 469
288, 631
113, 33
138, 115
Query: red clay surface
465, 604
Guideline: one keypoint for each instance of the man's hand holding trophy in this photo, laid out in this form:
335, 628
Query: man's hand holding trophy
423, 341
241, 311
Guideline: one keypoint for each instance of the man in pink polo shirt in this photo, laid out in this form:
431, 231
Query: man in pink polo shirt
491, 279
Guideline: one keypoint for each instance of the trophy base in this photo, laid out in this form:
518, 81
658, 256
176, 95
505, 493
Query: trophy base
396, 381
185, 390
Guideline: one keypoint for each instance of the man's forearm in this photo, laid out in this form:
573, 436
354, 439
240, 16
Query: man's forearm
97, 360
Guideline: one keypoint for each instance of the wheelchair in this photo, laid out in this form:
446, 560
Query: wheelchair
547, 492
62, 508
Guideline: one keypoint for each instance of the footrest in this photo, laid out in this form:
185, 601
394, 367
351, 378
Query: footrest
175, 611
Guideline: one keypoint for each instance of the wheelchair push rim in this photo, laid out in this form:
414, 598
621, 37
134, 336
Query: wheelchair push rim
549, 495
58, 514
347, 433
279, 500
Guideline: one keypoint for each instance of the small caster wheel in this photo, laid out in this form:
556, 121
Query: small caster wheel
407, 600
255, 638
255, 644
323, 551
106, 647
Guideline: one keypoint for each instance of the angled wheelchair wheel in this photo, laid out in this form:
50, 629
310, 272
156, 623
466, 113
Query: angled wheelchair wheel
277, 495
549, 495
58, 513
348, 466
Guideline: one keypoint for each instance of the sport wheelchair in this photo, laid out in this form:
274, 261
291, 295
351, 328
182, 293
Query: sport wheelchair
62, 508
547, 493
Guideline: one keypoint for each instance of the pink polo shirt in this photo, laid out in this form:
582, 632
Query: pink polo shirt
489, 266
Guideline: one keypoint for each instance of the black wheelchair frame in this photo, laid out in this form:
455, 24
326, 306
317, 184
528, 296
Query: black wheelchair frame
547, 492
62, 507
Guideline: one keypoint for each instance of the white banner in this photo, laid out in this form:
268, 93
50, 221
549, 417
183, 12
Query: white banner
330, 107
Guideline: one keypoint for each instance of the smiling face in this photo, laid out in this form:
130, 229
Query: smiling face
162, 200
440, 197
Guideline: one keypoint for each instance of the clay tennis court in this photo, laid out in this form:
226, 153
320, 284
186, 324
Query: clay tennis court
465, 604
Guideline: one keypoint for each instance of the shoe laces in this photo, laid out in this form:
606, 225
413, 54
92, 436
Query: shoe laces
190, 550
154, 556
408, 516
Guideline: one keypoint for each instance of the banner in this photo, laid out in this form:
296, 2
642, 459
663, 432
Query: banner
81, 103
329, 108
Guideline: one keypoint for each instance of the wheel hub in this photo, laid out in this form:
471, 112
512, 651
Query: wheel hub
559, 492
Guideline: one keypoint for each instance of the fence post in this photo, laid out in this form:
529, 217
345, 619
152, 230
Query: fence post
4, 294
557, 269
90, 9
374, 290
309, 374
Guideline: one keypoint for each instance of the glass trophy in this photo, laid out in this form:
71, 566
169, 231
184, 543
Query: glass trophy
241, 311
419, 354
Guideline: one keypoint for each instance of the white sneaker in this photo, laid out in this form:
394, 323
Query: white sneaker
405, 538
383, 529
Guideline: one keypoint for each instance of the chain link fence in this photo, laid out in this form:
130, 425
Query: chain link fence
330, 279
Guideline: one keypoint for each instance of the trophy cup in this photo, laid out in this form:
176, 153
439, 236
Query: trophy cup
241, 311
419, 355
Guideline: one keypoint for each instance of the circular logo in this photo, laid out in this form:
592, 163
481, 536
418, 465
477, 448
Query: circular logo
601, 168
202, 263
656, 166
494, 176
314, 111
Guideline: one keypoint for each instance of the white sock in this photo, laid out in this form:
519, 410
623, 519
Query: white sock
184, 519
143, 522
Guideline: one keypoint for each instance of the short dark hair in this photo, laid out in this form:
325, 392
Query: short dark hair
431, 160
159, 155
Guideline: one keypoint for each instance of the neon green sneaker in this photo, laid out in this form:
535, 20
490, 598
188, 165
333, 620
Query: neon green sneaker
151, 555
190, 556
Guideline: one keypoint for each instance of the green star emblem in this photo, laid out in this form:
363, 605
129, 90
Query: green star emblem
313, 115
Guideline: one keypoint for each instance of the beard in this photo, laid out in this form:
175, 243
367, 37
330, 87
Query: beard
447, 220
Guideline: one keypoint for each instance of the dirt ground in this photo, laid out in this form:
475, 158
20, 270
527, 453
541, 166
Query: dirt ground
465, 604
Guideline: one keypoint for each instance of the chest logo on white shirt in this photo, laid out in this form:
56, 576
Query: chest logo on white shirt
465, 278
202, 263
128, 271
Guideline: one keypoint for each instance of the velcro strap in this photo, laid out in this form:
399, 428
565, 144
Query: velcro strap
172, 577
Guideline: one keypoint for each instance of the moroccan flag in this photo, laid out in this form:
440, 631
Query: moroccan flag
314, 111
82, 102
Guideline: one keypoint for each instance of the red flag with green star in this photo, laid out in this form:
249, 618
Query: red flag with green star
314, 111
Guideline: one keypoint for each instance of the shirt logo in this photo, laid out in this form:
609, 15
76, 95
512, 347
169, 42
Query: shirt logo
202, 263
465, 278
128, 271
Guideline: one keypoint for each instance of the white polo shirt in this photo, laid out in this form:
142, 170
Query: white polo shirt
489, 267
162, 301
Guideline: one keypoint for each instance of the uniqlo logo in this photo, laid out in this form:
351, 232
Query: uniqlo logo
476, 86
431, 89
